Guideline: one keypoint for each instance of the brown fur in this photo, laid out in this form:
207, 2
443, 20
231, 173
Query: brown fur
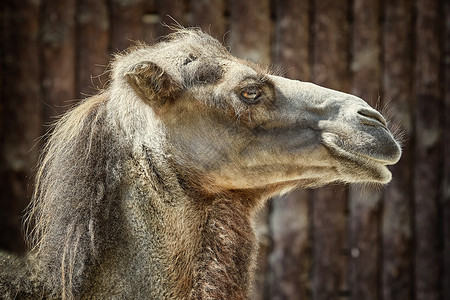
149, 189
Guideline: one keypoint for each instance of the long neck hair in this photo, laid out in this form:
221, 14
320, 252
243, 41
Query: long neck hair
71, 197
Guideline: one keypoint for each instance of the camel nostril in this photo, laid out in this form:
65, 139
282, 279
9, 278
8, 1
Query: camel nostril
371, 117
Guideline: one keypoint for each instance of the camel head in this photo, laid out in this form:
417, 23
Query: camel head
233, 126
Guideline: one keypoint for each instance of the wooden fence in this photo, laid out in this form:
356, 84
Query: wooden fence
335, 242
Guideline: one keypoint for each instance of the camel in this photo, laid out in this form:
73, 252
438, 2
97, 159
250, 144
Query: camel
149, 189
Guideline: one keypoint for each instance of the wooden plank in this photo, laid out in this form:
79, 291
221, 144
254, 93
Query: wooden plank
329, 243
292, 38
364, 245
366, 43
428, 150
364, 202
330, 69
331, 44
290, 258
126, 23
397, 267
92, 44
58, 57
397, 255
446, 184
210, 17
289, 267
250, 30
21, 119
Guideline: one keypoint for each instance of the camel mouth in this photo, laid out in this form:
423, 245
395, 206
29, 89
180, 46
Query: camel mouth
364, 163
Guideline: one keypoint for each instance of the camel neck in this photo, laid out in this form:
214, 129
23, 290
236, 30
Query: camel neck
228, 244
205, 245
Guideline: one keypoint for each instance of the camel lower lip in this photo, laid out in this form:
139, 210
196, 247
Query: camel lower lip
370, 158
333, 141
375, 170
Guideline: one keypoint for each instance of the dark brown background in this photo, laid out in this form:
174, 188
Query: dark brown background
336, 242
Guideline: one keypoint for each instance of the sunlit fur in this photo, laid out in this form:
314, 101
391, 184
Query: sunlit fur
149, 189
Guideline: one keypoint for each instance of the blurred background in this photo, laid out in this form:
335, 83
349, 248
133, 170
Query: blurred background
339, 242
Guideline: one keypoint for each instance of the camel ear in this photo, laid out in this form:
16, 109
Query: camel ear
152, 83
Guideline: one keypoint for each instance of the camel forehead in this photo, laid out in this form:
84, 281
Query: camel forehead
178, 50
191, 43
186, 47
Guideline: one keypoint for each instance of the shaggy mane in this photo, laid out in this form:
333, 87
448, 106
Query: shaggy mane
63, 217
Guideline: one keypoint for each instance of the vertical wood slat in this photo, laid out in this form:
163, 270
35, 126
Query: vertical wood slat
364, 205
125, 23
58, 56
329, 207
210, 17
250, 30
427, 150
446, 183
330, 68
365, 65
289, 261
363, 242
397, 264
331, 44
92, 46
20, 115
292, 38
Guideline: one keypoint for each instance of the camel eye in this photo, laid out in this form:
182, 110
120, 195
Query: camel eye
251, 95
